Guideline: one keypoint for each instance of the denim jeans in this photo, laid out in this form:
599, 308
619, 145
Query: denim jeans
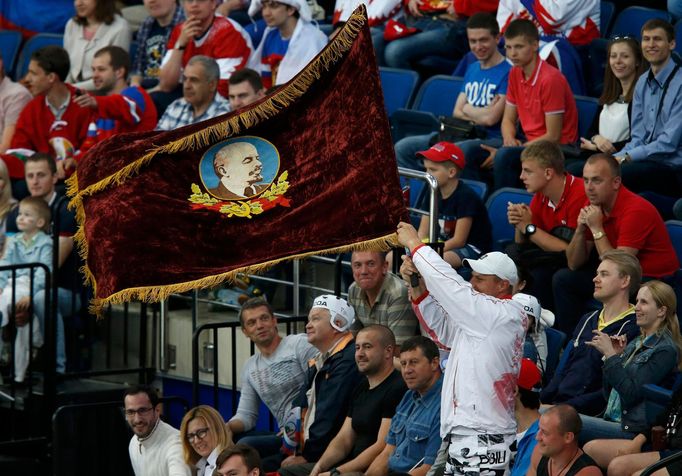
67, 301
267, 444
595, 428
434, 38
407, 148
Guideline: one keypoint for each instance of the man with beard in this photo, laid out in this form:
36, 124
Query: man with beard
155, 449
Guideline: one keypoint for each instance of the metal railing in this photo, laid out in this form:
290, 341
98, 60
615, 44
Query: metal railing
234, 328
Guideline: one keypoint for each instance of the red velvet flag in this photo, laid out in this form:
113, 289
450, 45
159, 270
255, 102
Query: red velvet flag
307, 170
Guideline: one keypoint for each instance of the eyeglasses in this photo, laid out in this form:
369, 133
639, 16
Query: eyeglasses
621, 38
200, 433
140, 411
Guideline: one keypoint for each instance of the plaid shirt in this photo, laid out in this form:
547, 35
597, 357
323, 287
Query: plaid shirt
392, 308
181, 113
141, 60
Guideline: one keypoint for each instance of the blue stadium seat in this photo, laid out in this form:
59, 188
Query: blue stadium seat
587, 109
607, 9
481, 188
10, 41
35, 43
502, 231
629, 22
398, 86
436, 97
556, 340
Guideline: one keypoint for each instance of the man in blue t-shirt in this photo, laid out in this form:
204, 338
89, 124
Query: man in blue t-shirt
527, 414
481, 99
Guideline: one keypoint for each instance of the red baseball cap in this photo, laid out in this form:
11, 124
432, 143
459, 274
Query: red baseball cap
529, 377
443, 152
395, 30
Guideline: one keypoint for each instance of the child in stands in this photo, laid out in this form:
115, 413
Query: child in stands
462, 217
31, 245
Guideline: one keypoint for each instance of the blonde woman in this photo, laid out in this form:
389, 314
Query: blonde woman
651, 358
204, 435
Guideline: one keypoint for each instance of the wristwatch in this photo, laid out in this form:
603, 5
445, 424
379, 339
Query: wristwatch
598, 236
530, 229
334, 471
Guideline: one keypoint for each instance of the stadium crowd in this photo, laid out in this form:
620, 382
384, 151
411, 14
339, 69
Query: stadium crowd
422, 372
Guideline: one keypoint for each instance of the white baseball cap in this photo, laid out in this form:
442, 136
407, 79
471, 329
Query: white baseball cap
339, 310
497, 264
530, 304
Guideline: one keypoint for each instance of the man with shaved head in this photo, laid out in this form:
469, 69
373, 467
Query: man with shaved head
239, 168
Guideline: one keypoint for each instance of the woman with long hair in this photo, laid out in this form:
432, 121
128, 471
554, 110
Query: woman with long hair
7, 202
611, 128
651, 358
95, 26
204, 435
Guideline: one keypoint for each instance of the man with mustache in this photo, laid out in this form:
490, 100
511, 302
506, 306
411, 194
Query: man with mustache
239, 169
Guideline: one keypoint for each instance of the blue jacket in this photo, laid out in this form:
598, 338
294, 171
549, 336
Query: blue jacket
579, 382
650, 360
334, 383
525, 450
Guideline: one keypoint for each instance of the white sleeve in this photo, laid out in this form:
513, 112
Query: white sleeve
175, 461
435, 322
553, 14
475, 313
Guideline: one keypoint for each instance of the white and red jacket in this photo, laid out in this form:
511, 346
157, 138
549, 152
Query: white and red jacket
576, 20
485, 336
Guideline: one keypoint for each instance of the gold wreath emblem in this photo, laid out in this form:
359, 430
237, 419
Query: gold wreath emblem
271, 198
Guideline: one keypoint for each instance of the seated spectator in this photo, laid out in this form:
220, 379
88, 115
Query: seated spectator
322, 405
151, 40
440, 30
379, 12
372, 405
652, 358
7, 202
558, 445
13, 98
239, 460
96, 25
610, 129
117, 107
579, 382
535, 343
413, 438
274, 376
526, 406
538, 99
155, 448
379, 296
200, 100
53, 114
41, 178
464, 226
204, 436
652, 159
203, 33
246, 87
481, 99
31, 245
576, 20
289, 43
614, 217
543, 230
625, 457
